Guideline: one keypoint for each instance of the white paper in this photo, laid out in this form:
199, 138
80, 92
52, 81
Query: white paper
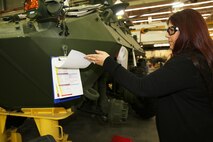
69, 83
66, 82
123, 57
74, 60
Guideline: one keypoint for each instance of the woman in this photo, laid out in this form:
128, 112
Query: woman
183, 85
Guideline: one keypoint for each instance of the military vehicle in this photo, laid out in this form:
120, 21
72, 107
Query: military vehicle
51, 29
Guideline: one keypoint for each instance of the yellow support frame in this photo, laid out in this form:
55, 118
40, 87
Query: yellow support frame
46, 120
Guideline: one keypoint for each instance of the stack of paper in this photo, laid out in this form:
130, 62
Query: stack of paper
66, 75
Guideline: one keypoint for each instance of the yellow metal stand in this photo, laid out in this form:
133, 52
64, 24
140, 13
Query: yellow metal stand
46, 120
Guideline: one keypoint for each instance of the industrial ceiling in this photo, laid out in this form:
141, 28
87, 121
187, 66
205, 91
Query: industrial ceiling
142, 11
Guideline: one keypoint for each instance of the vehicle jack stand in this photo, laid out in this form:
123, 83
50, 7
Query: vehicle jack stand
46, 120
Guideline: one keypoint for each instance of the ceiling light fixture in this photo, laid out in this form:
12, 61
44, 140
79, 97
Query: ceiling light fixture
132, 16
206, 15
167, 12
198, 3
159, 19
160, 13
142, 21
169, 4
204, 7
148, 7
157, 13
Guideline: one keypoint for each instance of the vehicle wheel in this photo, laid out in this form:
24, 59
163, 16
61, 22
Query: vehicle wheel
91, 94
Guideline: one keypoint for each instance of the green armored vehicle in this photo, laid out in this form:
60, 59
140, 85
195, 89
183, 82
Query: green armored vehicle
51, 30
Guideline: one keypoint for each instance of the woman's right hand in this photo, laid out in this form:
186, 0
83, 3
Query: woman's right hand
97, 58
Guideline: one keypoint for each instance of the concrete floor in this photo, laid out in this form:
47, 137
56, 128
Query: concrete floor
85, 127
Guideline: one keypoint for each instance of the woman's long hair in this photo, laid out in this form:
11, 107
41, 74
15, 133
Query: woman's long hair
193, 34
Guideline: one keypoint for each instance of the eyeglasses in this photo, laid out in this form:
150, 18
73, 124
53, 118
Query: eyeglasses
172, 30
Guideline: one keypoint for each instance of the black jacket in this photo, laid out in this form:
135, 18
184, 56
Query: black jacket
184, 113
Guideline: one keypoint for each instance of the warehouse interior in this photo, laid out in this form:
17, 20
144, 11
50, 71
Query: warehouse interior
146, 20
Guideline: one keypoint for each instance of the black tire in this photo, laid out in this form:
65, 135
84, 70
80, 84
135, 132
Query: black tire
91, 94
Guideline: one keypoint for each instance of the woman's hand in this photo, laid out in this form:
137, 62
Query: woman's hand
97, 58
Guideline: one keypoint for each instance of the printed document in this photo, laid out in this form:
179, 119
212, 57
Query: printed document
66, 74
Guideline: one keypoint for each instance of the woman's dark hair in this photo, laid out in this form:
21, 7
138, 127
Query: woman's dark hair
193, 34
